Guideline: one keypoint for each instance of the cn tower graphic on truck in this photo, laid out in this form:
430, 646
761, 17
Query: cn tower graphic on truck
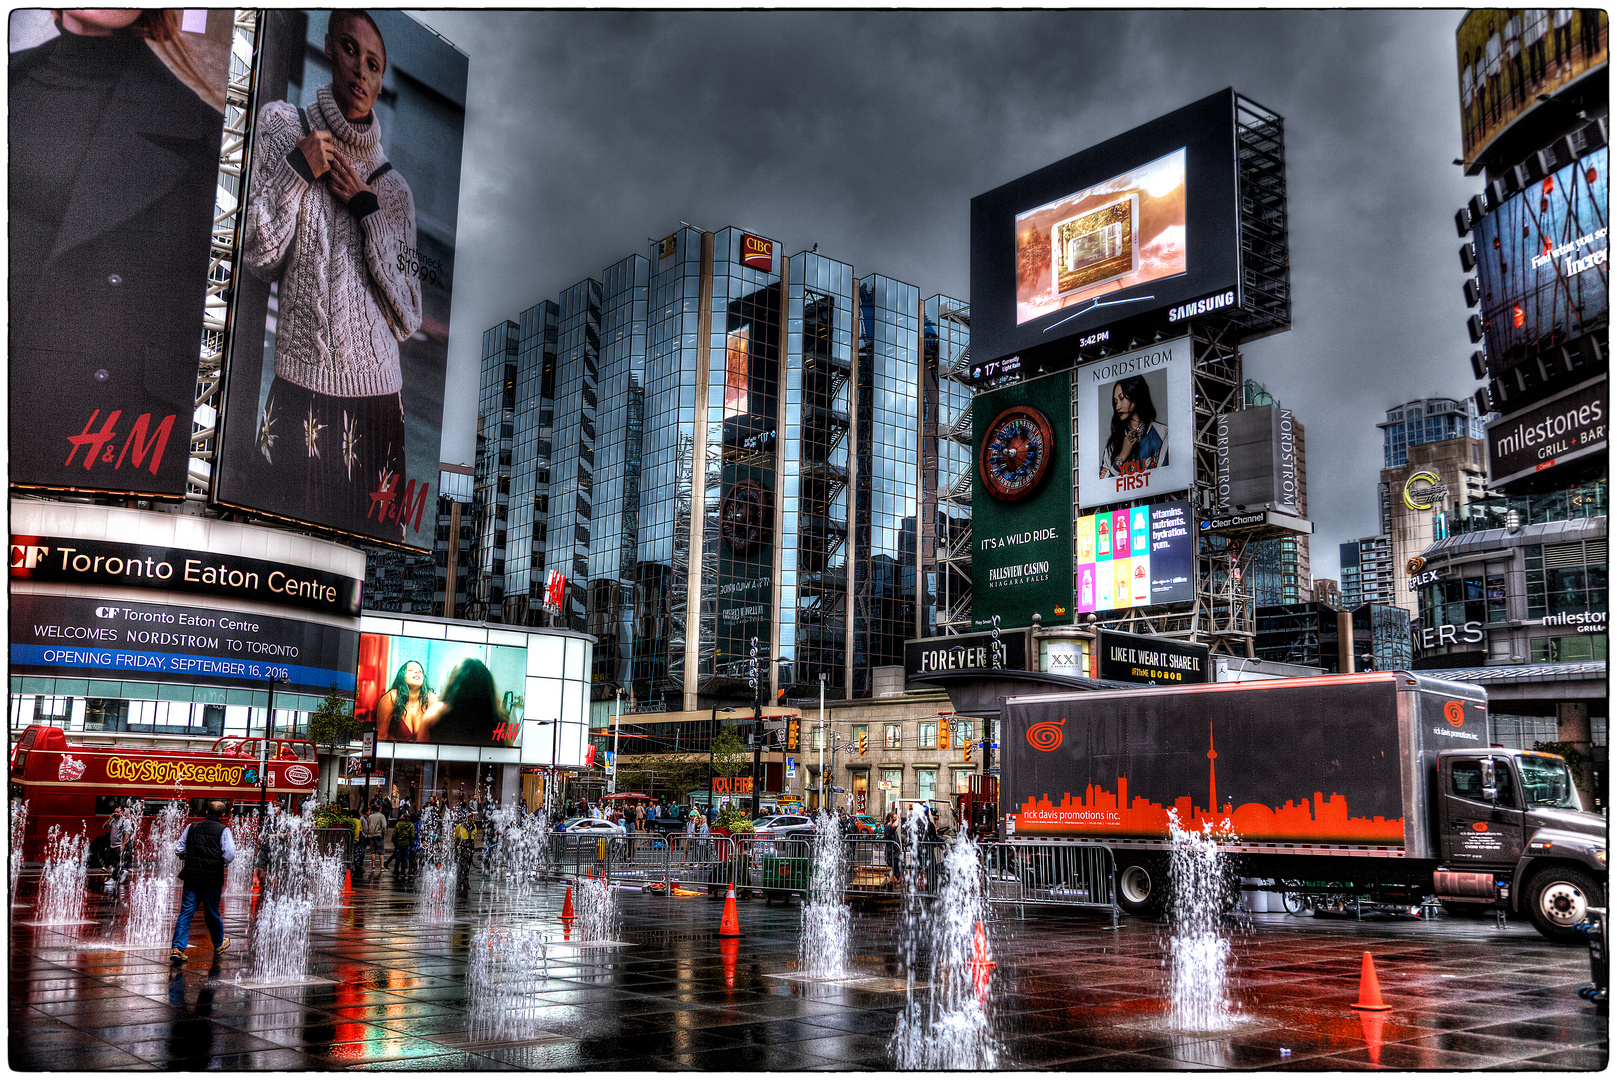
1101, 812
1116, 768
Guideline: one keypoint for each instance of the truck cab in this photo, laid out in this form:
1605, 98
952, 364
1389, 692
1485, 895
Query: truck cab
1512, 831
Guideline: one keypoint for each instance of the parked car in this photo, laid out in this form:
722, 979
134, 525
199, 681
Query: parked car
867, 824
783, 826
582, 830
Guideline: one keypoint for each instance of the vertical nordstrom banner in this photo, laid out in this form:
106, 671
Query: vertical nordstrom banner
114, 123
1021, 498
340, 333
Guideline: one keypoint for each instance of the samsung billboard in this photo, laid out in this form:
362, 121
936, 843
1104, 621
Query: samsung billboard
1144, 224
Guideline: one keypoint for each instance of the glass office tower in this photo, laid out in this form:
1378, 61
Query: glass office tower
946, 463
716, 443
533, 417
496, 404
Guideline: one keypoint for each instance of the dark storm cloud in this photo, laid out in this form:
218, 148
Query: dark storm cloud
869, 132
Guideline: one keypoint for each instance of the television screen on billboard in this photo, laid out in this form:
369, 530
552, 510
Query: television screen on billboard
1541, 262
1144, 225
1509, 57
1134, 424
1127, 230
450, 693
116, 118
1139, 557
334, 396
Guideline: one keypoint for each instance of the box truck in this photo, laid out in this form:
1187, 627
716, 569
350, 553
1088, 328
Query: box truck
1380, 785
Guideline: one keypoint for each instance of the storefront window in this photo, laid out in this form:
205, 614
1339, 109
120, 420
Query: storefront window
53, 711
962, 781
1565, 579
1568, 649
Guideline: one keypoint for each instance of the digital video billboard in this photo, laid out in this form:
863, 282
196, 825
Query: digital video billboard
1127, 230
1139, 557
334, 395
114, 125
1541, 261
1508, 57
1134, 424
428, 690
1142, 225
1021, 501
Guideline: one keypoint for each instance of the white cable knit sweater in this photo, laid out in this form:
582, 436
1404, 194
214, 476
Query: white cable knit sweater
345, 301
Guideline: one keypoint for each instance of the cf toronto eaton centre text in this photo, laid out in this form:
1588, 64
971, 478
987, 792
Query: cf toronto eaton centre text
196, 572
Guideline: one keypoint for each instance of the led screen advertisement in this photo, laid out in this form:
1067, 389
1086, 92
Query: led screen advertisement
1541, 262
100, 638
334, 392
1139, 557
1126, 231
1508, 57
1021, 498
449, 693
114, 126
1144, 225
1134, 424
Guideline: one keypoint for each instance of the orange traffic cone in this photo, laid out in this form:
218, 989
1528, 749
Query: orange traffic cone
981, 966
1369, 987
730, 924
728, 949
567, 906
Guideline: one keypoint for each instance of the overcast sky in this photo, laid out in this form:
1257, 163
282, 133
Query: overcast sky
868, 133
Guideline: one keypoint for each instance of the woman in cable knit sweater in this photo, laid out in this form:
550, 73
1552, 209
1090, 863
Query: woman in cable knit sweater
332, 222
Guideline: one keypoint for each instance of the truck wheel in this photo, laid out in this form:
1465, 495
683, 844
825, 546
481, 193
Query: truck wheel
1140, 888
1296, 903
1558, 899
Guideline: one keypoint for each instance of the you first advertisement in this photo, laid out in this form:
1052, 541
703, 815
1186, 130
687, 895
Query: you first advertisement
1021, 560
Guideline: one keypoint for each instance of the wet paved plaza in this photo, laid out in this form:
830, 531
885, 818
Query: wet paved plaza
1068, 993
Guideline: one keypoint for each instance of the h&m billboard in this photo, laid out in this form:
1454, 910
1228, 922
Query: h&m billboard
334, 396
111, 220
1144, 224
1021, 499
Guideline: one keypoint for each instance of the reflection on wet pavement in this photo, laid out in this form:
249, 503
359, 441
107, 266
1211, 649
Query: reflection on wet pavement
1068, 993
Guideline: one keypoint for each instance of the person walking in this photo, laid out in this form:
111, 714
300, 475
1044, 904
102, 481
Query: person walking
889, 835
122, 828
207, 848
404, 838
375, 826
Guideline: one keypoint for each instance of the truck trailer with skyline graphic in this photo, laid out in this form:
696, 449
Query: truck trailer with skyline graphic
1383, 784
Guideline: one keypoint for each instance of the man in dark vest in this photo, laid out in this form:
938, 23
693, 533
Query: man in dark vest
207, 848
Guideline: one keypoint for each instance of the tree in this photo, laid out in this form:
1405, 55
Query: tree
729, 756
333, 724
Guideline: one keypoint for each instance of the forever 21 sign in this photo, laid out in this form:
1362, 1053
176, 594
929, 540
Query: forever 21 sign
69, 560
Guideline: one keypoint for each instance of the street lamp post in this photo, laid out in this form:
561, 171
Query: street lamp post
612, 781
263, 751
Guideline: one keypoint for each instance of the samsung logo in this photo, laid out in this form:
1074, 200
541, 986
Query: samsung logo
1202, 306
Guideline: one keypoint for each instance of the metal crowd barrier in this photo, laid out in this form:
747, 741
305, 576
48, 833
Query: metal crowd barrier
1069, 875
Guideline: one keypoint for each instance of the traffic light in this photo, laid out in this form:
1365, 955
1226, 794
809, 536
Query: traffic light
968, 753
791, 735
862, 738
943, 735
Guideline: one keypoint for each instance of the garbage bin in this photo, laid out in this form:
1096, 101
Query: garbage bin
783, 876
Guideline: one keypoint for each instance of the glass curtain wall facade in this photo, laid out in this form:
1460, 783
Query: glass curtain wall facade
615, 504
814, 570
946, 463
421, 584
572, 469
668, 438
530, 465
887, 483
738, 433
767, 425
496, 404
